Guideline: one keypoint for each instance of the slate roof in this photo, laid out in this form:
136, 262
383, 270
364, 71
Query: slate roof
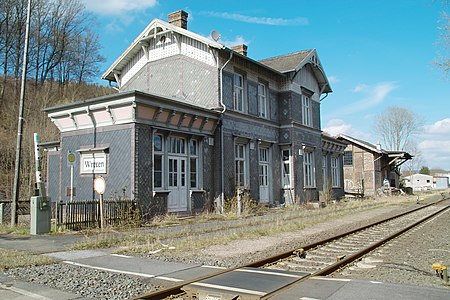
361, 143
286, 63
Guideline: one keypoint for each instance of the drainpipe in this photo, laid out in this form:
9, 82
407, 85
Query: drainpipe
224, 108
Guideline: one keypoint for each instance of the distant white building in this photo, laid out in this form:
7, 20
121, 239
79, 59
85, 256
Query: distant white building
440, 182
422, 182
419, 182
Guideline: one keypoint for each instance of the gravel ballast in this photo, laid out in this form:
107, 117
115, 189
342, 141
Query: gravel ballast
408, 258
409, 263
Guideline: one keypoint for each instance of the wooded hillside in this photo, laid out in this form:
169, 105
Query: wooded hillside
63, 61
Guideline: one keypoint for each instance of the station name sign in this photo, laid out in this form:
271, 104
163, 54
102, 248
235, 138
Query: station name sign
93, 163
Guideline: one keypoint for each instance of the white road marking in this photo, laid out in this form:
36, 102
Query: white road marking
213, 267
332, 279
109, 270
228, 288
307, 298
268, 273
121, 255
23, 292
169, 279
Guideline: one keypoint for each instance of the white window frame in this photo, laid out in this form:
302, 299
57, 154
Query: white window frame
348, 158
262, 101
177, 146
325, 172
159, 153
286, 169
264, 163
238, 92
306, 111
335, 174
309, 178
193, 157
240, 165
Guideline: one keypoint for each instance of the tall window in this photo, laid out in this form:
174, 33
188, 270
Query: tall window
193, 152
335, 178
264, 166
158, 152
262, 99
240, 165
306, 111
177, 145
348, 158
308, 170
286, 168
238, 93
325, 172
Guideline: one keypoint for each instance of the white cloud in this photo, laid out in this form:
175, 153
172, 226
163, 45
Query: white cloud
359, 88
435, 144
337, 126
118, 7
373, 95
258, 20
440, 127
238, 40
333, 79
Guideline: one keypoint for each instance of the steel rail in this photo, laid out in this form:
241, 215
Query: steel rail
348, 259
177, 289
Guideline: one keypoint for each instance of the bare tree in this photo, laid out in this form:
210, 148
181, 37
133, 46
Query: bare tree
443, 61
413, 164
395, 126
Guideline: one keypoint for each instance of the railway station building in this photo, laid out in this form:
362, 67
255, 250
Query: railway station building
368, 168
194, 122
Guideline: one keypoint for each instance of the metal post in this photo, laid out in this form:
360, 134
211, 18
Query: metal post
20, 121
71, 183
102, 225
239, 201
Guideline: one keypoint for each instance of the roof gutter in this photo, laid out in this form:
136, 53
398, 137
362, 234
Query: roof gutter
224, 108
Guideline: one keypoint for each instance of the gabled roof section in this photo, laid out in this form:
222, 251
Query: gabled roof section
363, 144
286, 63
294, 62
153, 30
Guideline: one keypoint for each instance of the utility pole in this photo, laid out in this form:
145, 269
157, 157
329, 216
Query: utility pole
20, 121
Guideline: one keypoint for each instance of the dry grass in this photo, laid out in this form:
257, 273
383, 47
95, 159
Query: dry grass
10, 259
185, 238
17, 230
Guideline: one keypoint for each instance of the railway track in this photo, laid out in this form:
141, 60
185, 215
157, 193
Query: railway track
286, 269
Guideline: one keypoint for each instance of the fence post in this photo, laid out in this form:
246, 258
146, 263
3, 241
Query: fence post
2, 212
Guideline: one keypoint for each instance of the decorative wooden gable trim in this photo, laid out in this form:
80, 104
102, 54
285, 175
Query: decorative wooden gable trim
159, 40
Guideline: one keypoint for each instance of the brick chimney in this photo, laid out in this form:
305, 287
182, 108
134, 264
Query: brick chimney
241, 49
178, 18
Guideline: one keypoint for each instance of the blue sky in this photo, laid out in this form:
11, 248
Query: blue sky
376, 54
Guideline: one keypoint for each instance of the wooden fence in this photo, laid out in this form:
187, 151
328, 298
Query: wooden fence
80, 214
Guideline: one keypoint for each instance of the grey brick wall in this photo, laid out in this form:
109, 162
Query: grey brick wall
118, 177
252, 97
255, 132
273, 103
143, 167
211, 165
54, 174
313, 140
227, 86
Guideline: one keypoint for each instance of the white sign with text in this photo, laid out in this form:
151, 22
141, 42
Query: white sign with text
93, 163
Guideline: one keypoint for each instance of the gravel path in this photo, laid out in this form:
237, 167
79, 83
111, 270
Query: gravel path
414, 263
